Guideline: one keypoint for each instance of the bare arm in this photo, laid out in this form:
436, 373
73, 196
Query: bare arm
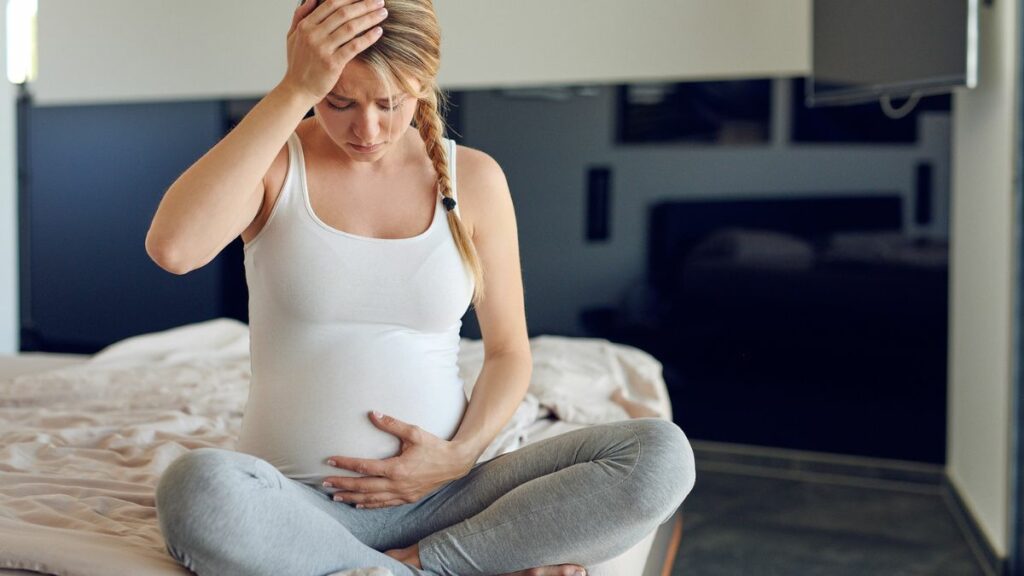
498, 391
508, 363
220, 195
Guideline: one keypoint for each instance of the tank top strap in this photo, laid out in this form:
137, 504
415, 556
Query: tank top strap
296, 177
295, 187
288, 199
291, 187
293, 145
451, 173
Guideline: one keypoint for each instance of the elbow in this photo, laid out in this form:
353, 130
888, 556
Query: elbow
519, 361
164, 257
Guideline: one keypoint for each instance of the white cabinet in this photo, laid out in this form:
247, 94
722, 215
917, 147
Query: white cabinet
138, 50
489, 43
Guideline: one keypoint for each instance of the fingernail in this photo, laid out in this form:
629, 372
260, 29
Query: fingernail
326, 484
331, 463
339, 498
377, 414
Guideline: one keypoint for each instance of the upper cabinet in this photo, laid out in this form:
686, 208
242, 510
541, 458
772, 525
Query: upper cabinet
499, 43
105, 51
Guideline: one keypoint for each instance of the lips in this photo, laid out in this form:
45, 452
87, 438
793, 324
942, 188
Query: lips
362, 148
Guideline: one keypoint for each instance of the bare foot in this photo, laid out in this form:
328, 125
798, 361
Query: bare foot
634, 409
411, 556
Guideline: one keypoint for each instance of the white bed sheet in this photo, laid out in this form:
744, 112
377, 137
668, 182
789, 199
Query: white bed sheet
31, 362
83, 439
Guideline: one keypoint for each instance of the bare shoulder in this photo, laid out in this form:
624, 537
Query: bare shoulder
481, 182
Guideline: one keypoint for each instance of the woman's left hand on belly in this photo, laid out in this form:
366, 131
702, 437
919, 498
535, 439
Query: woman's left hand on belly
424, 464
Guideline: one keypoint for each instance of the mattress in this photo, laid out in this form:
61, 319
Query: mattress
533, 422
29, 362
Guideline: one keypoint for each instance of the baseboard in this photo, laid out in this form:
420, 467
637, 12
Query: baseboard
971, 529
818, 466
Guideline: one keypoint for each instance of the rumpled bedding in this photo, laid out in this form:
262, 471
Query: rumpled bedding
82, 447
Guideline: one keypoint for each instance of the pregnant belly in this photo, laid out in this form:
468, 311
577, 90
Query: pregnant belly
297, 429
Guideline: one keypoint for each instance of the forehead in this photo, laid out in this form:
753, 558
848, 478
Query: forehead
360, 83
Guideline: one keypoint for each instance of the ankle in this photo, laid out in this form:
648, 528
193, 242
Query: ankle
414, 556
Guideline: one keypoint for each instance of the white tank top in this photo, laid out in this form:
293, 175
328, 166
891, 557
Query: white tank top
341, 325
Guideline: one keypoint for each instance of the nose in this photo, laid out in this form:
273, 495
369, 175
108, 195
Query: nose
367, 127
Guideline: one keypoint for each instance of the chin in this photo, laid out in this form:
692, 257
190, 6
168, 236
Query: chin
372, 157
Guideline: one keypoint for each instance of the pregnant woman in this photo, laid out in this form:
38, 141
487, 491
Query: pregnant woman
365, 243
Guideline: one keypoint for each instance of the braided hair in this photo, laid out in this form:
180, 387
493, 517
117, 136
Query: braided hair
410, 48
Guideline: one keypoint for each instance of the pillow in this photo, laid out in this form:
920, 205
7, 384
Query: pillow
749, 247
885, 248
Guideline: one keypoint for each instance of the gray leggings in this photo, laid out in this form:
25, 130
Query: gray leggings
582, 497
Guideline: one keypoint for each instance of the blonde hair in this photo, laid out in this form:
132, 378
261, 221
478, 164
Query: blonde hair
410, 48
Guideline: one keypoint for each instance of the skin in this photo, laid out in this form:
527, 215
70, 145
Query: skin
367, 119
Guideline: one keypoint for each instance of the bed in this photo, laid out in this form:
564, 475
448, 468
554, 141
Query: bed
84, 438
786, 321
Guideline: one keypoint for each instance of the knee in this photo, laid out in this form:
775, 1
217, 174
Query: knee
192, 472
191, 486
666, 470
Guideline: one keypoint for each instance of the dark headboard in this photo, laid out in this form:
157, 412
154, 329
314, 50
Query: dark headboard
675, 226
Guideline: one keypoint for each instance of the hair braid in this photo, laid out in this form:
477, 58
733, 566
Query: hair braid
428, 122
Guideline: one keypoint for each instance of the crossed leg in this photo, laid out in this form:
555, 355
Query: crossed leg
581, 497
225, 512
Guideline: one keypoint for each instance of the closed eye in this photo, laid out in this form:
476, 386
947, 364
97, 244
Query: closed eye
391, 109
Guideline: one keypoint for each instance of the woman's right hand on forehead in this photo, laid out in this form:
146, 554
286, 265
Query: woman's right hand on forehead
324, 37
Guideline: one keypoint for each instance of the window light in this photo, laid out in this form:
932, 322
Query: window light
21, 40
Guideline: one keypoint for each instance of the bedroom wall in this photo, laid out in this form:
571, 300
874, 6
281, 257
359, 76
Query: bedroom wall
8, 205
545, 148
983, 275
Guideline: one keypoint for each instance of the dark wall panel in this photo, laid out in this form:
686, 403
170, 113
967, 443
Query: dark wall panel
95, 177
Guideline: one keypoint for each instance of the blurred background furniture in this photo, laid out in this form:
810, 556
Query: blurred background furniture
810, 323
